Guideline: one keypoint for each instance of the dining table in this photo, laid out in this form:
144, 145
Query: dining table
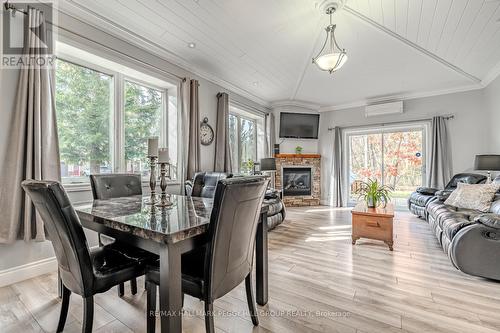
169, 232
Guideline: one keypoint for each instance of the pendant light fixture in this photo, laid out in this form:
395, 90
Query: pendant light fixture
331, 57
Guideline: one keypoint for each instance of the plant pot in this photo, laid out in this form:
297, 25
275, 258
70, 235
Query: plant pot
371, 202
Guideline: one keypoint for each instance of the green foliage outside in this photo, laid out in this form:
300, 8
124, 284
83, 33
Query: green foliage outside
84, 104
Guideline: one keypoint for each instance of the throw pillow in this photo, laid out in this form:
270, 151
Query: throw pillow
473, 196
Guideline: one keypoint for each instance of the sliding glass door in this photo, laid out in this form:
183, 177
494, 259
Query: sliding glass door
393, 156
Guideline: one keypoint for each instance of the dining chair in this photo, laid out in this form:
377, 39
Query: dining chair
83, 271
204, 183
116, 185
216, 268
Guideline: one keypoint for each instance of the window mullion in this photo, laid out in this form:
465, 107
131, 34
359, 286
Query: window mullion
119, 123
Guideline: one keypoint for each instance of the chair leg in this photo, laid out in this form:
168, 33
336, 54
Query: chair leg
251, 300
150, 307
133, 286
121, 289
66, 293
209, 317
88, 314
59, 284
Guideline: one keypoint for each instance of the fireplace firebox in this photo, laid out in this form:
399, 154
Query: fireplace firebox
296, 181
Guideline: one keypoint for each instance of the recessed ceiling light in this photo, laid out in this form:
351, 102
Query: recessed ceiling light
256, 83
192, 45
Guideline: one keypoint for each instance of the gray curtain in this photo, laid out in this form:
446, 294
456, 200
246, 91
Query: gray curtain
222, 161
337, 169
270, 134
183, 128
440, 168
193, 153
32, 149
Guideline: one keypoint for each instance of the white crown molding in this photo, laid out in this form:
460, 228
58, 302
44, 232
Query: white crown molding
27, 271
417, 47
295, 103
400, 97
492, 75
128, 36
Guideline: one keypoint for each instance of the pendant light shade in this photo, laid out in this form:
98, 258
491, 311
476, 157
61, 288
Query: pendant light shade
331, 57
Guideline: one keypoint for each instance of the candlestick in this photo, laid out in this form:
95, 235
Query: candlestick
152, 180
153, 146
163, 155
164, 198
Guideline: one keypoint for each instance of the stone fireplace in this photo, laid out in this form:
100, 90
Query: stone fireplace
299, 178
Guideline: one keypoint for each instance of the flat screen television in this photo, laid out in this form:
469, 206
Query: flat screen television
299, 125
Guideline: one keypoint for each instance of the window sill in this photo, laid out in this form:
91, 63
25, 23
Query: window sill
85, 187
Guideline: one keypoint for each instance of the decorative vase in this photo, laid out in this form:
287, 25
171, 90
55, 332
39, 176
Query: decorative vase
298, 150
371, 202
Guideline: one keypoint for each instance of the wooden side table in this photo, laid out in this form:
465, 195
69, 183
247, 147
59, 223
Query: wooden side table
373, 223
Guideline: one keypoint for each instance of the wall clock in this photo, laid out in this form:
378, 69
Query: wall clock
206, 133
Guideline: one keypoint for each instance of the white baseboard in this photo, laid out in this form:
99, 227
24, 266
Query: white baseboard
28, 271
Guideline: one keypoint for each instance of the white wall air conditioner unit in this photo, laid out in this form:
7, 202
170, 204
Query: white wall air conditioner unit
384, 109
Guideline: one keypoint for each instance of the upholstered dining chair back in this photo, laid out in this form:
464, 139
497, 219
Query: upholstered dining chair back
115, 185
233, 225
205, 183
65, 231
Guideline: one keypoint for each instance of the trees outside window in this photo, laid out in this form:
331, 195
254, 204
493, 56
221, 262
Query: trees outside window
100, 132
242, 143
143, 117
394, 157
84, 104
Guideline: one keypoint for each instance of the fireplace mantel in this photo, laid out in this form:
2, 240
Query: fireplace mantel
297, 155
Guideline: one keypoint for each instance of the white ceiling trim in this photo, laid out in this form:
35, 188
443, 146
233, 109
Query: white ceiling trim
401, 97
491, 76
295, 103
118, 30
377, 25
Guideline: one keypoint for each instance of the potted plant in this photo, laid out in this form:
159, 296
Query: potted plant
298, 150
374, 193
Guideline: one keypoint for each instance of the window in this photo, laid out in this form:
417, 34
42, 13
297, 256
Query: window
244, 130
105, 117
143, 117
393, 156
84, 104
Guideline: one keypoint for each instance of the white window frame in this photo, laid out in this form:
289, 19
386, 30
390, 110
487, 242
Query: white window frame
404, 127
239, 117
117, 116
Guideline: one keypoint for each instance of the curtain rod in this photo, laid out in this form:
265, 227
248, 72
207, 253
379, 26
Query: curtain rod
448, 117
8, 6
244, 105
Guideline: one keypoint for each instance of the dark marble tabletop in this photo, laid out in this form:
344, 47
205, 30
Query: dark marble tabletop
186, 218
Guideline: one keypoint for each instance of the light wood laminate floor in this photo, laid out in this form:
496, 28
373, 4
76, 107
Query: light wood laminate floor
319, 282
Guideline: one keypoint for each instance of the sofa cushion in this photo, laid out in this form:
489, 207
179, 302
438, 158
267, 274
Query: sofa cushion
491, 220
420, 199
495, 205
426, 190
452, 225
473, 196
275, 206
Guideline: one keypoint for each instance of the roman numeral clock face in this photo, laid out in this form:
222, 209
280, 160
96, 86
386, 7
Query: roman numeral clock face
206, 133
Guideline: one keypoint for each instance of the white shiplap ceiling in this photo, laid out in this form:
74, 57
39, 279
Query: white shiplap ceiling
263, 48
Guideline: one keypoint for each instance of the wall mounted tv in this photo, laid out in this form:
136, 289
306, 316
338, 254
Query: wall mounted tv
299, 125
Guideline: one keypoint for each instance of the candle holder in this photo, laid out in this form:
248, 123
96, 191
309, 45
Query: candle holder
164, 198
152, 181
